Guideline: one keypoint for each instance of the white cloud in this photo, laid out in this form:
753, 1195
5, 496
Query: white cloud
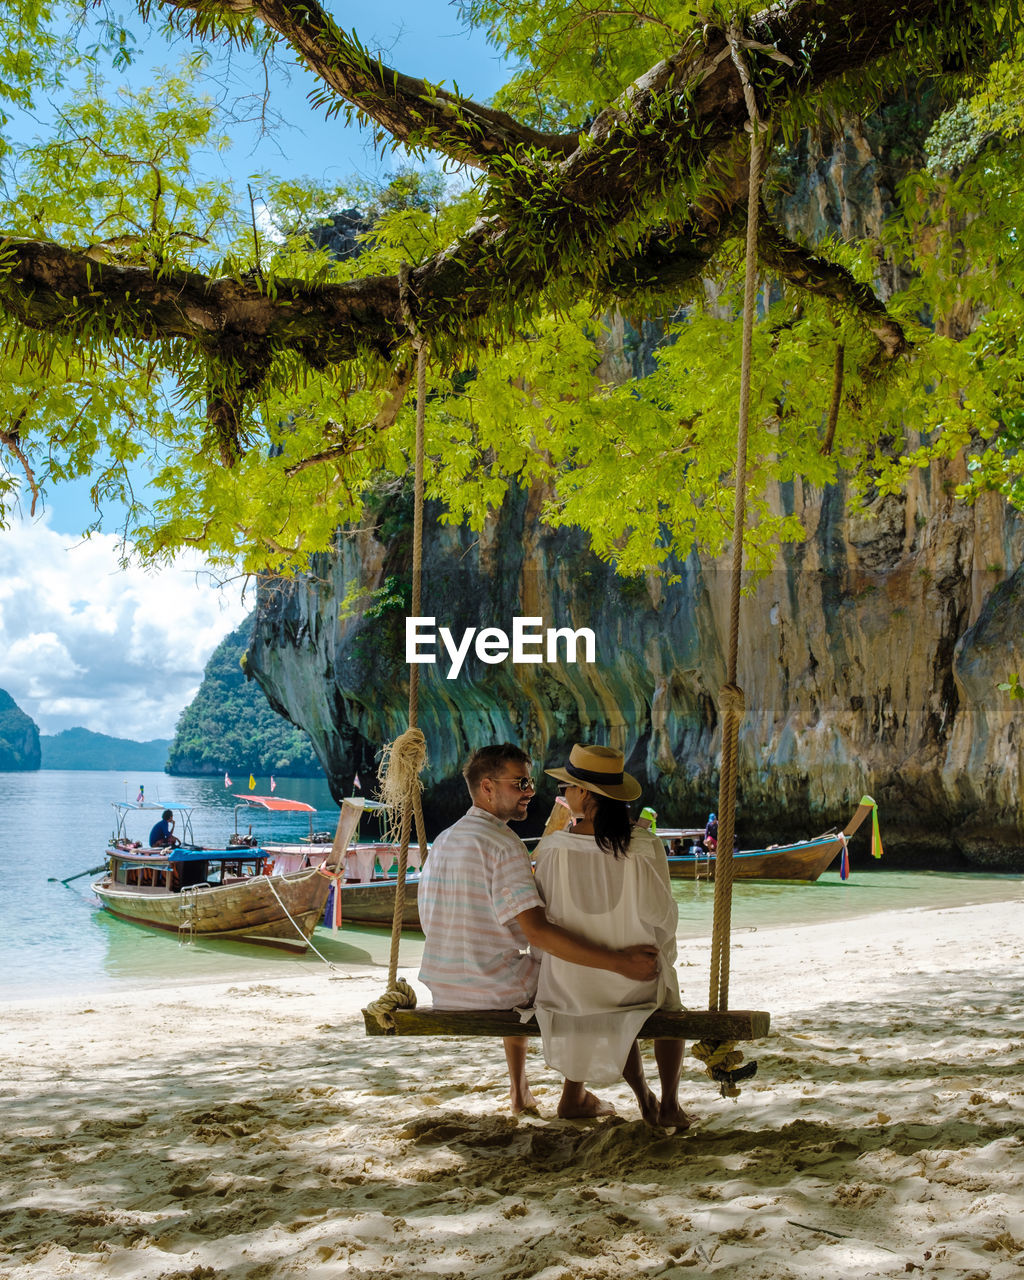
83, 642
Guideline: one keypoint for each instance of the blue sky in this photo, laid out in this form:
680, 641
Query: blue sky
83, 643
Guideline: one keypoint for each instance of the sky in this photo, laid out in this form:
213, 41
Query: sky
83, 643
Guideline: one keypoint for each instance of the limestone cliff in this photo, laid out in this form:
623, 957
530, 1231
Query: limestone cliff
870, 657
869, 660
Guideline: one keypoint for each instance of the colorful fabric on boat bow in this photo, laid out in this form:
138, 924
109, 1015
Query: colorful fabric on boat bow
876, 839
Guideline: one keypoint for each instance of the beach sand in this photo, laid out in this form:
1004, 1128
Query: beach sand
251, 1131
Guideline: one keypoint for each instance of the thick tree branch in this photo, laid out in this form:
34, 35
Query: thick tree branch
410, 109
50, 287
574, 219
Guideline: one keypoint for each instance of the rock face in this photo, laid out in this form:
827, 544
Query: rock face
870, 657
869, 661
19, 737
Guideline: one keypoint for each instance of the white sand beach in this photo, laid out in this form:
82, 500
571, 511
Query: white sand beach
252, 1131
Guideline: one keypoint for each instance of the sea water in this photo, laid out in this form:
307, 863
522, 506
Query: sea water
55, 939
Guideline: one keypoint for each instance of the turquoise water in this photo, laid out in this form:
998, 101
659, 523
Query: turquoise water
55, 940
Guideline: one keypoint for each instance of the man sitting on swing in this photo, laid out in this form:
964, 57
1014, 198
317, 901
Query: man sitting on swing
480, 910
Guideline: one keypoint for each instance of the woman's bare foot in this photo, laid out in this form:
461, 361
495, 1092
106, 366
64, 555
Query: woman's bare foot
585, 1107
523, 1102
672, 1116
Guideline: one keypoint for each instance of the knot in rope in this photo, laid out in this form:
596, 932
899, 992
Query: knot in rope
722, 1063
398, 996
400, 784
731, 699
734, 49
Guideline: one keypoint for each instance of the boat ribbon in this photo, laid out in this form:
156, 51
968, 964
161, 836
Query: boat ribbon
876, 839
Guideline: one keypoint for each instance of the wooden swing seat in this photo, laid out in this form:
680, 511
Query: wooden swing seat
686, 1024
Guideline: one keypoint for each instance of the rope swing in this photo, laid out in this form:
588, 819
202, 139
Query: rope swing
401, 789
721, 1059
717, 1030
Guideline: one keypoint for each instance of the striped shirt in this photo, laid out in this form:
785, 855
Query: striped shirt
476, 881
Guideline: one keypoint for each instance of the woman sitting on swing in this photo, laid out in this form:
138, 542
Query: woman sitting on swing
607, 881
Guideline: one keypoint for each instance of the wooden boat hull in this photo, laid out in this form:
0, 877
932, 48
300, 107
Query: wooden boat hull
803, 860
374, 904
244, 911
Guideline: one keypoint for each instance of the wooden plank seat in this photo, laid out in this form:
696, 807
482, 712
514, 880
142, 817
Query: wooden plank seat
687, 1024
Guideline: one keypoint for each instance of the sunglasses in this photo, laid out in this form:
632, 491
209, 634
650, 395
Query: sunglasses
521, 784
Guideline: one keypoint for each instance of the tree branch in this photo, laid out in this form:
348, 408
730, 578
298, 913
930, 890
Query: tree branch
10, 438
574, 219
411, 110
814, 274
350, 441
52, 288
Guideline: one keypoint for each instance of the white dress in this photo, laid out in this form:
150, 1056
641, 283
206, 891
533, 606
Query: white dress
589, 1018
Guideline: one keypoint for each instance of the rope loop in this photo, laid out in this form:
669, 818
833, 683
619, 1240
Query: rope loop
399, 996
722, 1061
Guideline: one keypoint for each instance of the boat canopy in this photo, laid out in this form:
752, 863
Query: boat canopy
122, 808
278, 803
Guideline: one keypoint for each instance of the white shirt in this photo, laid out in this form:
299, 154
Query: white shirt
476, 881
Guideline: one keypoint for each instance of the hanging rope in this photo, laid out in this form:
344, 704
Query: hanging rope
401, 790
731, 700
722, 1060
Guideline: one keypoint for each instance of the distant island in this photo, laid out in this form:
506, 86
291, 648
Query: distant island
83, 749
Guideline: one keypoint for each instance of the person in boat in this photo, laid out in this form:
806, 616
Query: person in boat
162, 835
711, 833
481, 912
608, 881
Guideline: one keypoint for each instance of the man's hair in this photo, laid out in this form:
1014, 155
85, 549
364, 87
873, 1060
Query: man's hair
167, 815
487, 761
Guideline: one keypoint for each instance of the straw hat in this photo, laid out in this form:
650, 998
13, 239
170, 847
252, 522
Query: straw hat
598, 769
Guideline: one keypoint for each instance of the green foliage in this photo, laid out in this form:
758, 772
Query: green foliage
230, 726
577, 56
521, 396
1013, 687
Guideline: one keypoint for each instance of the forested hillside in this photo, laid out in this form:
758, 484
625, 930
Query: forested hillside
230, 727
19, 737
83, 749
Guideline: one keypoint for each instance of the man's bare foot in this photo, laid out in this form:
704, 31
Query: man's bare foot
589, 1107
650, 1108
672, 1116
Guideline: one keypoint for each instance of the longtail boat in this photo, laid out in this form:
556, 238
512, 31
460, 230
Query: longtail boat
229, 893
801, 860
366, 889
